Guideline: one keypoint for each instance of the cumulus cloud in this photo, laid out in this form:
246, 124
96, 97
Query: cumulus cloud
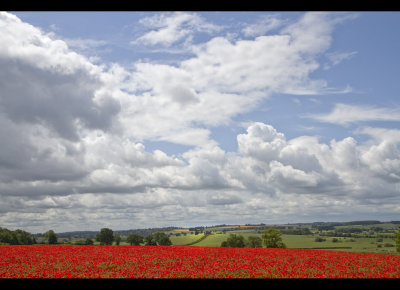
235, 75
43, 82
303, 165
299, 176
74, 154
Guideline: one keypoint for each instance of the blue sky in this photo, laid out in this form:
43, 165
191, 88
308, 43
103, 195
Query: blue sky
138, 119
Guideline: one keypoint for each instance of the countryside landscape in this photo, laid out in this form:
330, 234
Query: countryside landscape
199, 144
357, 249
354, 236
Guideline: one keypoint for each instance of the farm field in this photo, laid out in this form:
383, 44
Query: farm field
360, 237
360, 245
368, 240
70, 261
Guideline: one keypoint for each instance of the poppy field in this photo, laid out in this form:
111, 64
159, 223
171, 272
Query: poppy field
70, 261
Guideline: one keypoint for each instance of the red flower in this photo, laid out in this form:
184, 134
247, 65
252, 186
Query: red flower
65, 261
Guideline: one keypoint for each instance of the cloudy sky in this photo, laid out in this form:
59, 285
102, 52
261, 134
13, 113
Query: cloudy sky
146, 119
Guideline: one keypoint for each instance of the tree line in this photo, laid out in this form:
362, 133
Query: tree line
106, 237
271, 238
17, 237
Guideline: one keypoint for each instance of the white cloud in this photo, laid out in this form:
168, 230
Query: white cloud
303, 165
337, 57
344, 114
181, 103
40, 75
312, 34
263, 25
299, 177
74, 150
171, 102
170, 28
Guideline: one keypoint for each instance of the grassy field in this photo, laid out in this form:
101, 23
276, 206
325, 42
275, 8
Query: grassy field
185, 240
373, 243
367, 238
360, 245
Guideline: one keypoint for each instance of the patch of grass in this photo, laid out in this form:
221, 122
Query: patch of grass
184, 240
368, 245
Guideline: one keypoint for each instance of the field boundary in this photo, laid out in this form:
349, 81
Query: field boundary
198, 240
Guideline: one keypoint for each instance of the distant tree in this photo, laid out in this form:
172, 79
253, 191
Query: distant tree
117, 239
150, 241
105, 236
24, 238
254, 242
17, 237
234, 241
134, 239
89, 241
272, 238
162, 239
7, 237
224, 244
51, 237
398, 240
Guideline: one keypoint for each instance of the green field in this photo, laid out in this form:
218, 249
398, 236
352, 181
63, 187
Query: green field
301, 241
185, 240
362, 236
368, 239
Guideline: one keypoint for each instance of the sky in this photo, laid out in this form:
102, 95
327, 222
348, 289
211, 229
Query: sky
144, 119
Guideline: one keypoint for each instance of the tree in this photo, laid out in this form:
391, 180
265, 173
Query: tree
51, 237
105, 236
17, 237
89, 241
398, 240
254, 242
234, 241
272, 238
162, 239
117, 239
134, 239
24, 238
150, 241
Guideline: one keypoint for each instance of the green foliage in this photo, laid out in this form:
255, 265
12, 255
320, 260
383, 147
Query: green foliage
134, 239
105, 237
51, 237
254, 242
397, 239
157, 238
117, 239
89, 242
150, 241
162, 239
234, 241
272, 238
17, 237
